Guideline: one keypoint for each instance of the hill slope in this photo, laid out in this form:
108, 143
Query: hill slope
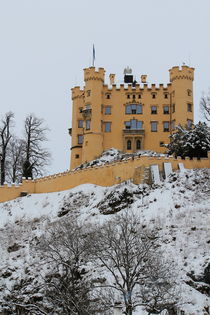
179, 208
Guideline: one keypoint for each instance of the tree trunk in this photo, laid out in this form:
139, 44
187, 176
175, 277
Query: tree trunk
2, 171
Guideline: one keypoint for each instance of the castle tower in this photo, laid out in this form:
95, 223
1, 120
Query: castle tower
76, 132
181, 96
92, 113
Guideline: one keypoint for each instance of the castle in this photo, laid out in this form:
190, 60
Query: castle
129, 116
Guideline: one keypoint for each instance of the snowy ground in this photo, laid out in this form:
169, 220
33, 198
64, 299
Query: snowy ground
113, 155
178, 207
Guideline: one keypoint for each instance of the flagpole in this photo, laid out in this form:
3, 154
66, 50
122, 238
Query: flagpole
93, 55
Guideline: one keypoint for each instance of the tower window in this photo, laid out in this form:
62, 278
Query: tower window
128, 96
80, 123
134, 96
154, 126
107, 126
165, 110
108, 110
138, 145
166, 126
139, 95
108, 96
88, 93
88, 124
189, 123
166, 95
76, 156
133, 109
173, 124
161, 144
153, 95
153, 110
189, 107
189, 92
80, 109
129, 145
80, 139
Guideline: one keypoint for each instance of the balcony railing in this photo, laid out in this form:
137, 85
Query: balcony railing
87, 112
133, 131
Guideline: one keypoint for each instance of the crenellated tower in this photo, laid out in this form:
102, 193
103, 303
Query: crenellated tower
182, 106
92, 115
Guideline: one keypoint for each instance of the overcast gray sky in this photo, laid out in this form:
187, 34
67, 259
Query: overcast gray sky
45, 44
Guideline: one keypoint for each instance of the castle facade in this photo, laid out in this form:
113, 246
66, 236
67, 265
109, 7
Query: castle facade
130, 116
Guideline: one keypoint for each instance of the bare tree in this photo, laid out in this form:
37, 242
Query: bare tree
68, 286
129, 253
5, 137
15, 160
35, 156
205, 106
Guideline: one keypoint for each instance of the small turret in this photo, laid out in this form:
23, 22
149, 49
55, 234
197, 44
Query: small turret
184, 73
92, 74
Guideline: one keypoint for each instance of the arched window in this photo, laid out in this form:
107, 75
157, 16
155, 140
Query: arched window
138, 145
129, 145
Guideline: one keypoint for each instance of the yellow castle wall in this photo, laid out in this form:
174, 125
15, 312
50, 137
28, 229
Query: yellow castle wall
106, 175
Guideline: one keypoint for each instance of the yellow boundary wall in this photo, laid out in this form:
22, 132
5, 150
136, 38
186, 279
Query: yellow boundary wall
105, 175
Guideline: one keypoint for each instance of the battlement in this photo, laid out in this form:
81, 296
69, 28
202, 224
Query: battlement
76, 92
93, 74
184, 72
137, 88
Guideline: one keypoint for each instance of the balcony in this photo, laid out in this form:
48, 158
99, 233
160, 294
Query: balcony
133, 131
86, 113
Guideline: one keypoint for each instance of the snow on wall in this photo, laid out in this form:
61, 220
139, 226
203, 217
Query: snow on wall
167, 169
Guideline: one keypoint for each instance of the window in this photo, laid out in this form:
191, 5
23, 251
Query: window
133, 109
129, 145
189, 92
154, 126
128, 96
108, 96
88, 124
166, 126
76, 156
108, 110
189, 107
80, 139
189, 123
139, 96
138, 144
107, 126
80, 109
165, 110
134, 124
166, 95
80, 123
173, 124
153, 110
161, 143
134, 96
173, 108
153, 95
88, 93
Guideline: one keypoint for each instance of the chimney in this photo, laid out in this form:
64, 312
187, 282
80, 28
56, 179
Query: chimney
111, 78
143, 78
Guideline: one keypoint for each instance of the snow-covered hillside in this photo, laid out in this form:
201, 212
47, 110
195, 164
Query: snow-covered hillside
179, 208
